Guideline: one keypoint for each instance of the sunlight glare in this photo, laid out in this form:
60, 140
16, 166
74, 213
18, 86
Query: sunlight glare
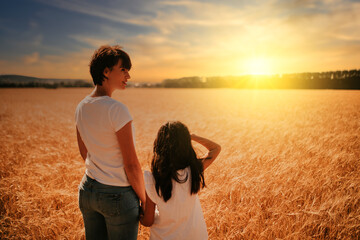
258, 65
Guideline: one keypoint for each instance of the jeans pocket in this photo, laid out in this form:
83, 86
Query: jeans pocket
109, 203
115, 204
129, 201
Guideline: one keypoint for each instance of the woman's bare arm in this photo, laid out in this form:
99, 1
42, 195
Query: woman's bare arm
131, 162
82, 148
214, 149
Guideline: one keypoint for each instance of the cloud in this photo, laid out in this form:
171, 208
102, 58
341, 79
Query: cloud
33, 24
71, 65
114, 13
93, 41
37, 40
163, 15
32, 58
182, 38
327, 28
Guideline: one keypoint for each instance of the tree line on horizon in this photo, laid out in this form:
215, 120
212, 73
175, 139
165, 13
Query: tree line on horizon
78, 83
19, 81
309, 80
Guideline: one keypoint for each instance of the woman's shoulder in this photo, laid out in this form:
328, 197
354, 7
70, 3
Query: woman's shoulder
115, 104
96, 101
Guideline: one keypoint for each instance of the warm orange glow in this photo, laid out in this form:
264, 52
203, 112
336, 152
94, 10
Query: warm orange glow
258, 65
290, 159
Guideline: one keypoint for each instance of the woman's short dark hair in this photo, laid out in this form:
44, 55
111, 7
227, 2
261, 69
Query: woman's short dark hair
107, 57
173, 151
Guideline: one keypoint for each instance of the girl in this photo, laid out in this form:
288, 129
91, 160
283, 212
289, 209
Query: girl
172, 186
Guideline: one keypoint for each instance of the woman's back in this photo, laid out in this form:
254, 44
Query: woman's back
181, 216
97, 120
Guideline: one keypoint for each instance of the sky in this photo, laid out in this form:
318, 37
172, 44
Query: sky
173, 39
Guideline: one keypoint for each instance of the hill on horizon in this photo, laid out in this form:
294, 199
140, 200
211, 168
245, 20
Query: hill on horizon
12, 80
22, 78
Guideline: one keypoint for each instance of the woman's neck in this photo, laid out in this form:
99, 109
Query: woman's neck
101, 91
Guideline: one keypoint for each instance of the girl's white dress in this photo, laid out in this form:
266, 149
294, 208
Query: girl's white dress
181, 216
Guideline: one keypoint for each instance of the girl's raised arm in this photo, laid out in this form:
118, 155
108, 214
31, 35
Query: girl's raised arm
214, 149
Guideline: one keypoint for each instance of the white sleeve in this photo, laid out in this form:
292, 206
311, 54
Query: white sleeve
150, 186
119, 115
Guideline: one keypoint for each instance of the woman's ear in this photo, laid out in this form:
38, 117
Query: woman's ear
106, 72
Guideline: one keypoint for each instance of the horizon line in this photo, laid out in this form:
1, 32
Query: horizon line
245, 74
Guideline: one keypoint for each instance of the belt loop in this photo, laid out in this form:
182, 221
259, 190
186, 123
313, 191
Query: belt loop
92, 184
90, 180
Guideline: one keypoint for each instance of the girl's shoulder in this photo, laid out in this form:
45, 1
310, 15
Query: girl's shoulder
150, 187
148, 177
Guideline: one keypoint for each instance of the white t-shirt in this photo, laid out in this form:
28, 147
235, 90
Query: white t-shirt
98, 119
181, 216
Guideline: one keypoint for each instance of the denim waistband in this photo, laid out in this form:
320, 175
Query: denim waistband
89, 184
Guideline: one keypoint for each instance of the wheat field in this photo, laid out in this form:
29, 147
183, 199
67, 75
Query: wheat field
289, 166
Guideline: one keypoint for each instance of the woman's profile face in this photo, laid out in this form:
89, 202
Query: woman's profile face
118, 76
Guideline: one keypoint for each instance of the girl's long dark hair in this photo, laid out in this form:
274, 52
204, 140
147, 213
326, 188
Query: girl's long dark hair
173, 151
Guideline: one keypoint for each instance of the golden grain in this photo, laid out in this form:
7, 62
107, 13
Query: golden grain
289, 168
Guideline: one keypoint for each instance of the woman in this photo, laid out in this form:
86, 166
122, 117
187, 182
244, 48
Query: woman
113, 183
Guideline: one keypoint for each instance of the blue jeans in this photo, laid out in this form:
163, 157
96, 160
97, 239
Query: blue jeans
109, 212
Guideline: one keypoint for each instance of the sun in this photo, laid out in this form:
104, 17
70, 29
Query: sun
258, 65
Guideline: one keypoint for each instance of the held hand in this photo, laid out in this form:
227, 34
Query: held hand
141, 210
142, 206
